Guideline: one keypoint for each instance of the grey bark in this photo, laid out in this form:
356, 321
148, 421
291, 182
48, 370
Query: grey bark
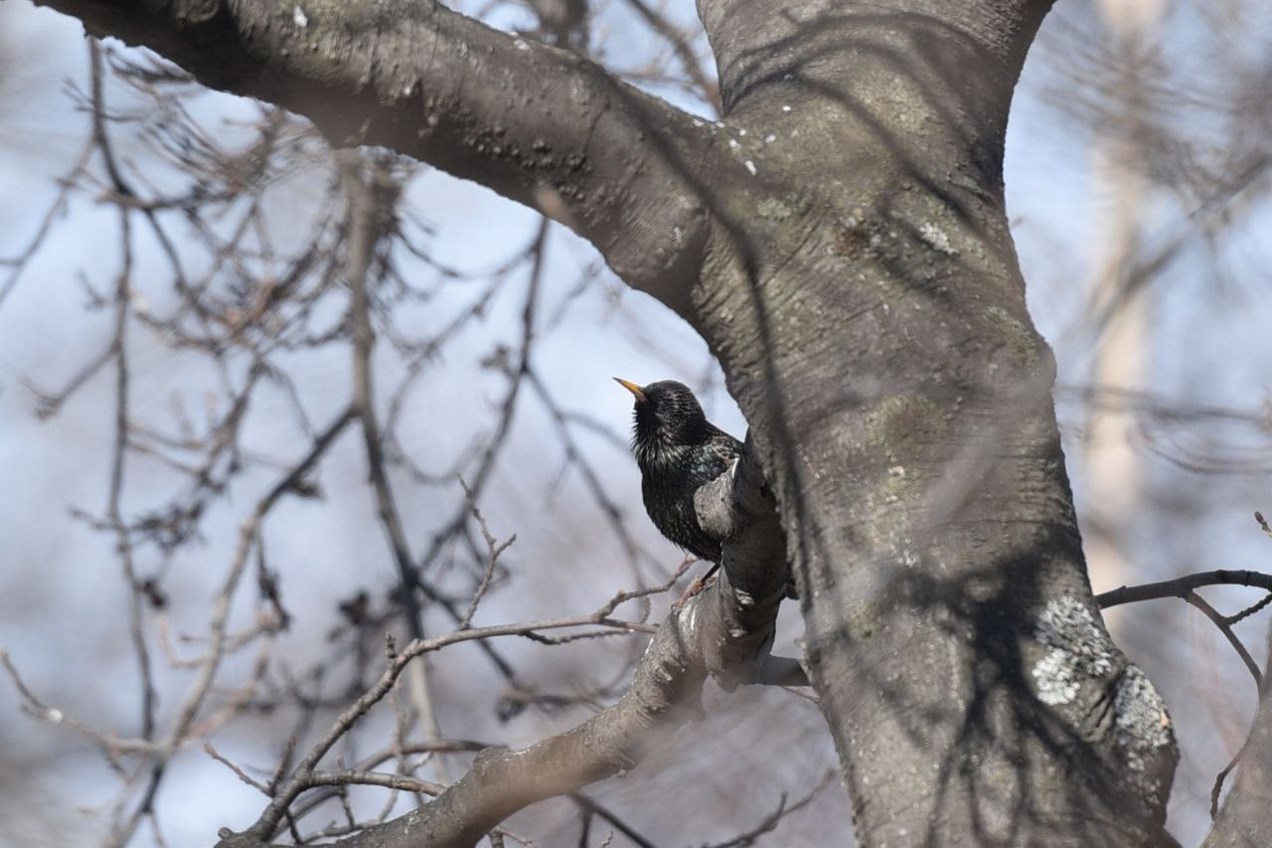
863, 295
841, 243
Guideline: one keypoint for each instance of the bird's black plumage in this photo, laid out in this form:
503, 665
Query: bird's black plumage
678, 451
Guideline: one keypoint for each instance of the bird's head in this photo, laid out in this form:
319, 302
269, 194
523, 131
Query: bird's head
667, 417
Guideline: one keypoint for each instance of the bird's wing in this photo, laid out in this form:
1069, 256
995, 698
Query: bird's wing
724, 445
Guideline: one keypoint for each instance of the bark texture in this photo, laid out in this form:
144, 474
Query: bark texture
862, 292
840, 241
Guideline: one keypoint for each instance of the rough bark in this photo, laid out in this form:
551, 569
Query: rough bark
862, 292
841, 243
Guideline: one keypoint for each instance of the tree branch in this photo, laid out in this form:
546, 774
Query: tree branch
539, 125
1184, 589
724, 630
1180, 587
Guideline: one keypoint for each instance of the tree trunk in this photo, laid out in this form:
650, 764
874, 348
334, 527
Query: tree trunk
862, 293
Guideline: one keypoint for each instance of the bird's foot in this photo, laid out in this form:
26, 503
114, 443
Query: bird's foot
697, 586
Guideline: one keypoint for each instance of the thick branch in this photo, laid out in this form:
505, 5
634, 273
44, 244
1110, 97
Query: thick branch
724, 630
754, 573
536, 124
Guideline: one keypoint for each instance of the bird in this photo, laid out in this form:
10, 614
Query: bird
678, 451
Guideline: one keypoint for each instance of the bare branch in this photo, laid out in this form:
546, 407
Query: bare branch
539, 125
772, 820
724, 630
1184, 589
494, 548
1179, 587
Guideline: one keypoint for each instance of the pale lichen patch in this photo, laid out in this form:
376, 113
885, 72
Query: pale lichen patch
1055, 679
1077, 644
1142, 722
1082, 654
936, 238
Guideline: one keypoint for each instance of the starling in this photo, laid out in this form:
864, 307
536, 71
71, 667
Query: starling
678, 451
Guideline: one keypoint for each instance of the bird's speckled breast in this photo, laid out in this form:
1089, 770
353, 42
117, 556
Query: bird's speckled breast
668, 488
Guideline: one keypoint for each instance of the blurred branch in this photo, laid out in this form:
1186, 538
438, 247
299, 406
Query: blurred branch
1185, 588
370, 204
590, 807
494, 549
1242, 821
772, 820
415, 89
18, 263
123, 826
679, 41
577, 459
1164, 408
371, 200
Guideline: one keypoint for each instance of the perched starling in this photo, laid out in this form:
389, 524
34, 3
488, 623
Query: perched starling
678, 451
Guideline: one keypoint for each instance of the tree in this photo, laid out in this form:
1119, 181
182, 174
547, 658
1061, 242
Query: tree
839, 240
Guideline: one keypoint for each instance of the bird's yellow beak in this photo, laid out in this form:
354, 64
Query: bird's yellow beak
631, 387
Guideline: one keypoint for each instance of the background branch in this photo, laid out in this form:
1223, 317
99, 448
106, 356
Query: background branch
538, 125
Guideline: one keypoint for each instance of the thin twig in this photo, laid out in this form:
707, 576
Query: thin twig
773, 819
1180, 586
1226, 629
494, 548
